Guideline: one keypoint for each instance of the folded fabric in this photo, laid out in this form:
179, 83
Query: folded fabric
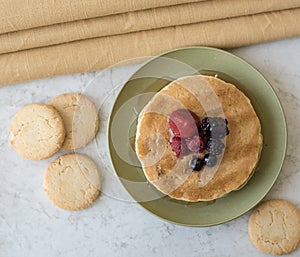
98, 53
18, 14
137, 21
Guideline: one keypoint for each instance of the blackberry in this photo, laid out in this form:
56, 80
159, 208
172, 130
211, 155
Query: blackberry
215, 146
219, 132
210, 160
196, 164
204, 128
205, 124
215, 127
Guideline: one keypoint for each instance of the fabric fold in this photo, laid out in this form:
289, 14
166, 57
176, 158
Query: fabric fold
98, 53
19, 14
137, 21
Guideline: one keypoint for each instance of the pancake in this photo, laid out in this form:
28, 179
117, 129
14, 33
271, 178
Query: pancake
205, 96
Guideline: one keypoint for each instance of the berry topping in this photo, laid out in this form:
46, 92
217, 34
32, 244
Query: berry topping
184, 123
196, 164
191, 135
215, 127
210, 160
204, 127
215, 146
178, 146
195, 144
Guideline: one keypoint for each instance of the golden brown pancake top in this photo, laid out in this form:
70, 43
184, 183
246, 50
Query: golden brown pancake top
205, 96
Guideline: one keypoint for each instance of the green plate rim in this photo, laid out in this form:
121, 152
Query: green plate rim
285, 135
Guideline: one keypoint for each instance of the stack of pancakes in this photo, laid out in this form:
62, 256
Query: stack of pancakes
207, 97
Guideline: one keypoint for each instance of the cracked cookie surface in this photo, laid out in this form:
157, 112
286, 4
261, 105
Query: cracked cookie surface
72, 182
80, 118
37, 131
274, 227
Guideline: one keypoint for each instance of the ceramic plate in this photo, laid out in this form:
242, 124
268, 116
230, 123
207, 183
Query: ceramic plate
157, 73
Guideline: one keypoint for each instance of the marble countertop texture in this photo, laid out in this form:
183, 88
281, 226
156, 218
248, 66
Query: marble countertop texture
30, 225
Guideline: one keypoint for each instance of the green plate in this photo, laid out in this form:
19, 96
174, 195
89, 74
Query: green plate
157, 73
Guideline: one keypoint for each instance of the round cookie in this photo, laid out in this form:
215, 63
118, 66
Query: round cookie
37, 131
72, 182
80, 118
274, 227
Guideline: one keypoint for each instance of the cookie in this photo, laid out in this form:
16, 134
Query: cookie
80, 118
37, 131
274, 227
72, 182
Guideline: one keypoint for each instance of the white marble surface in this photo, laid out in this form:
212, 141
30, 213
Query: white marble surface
30, 225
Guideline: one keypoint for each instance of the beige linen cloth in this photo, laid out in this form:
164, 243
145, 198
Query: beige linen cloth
95, 34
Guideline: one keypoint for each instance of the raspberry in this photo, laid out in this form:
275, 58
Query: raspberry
195, 144
179, 147
184, 123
